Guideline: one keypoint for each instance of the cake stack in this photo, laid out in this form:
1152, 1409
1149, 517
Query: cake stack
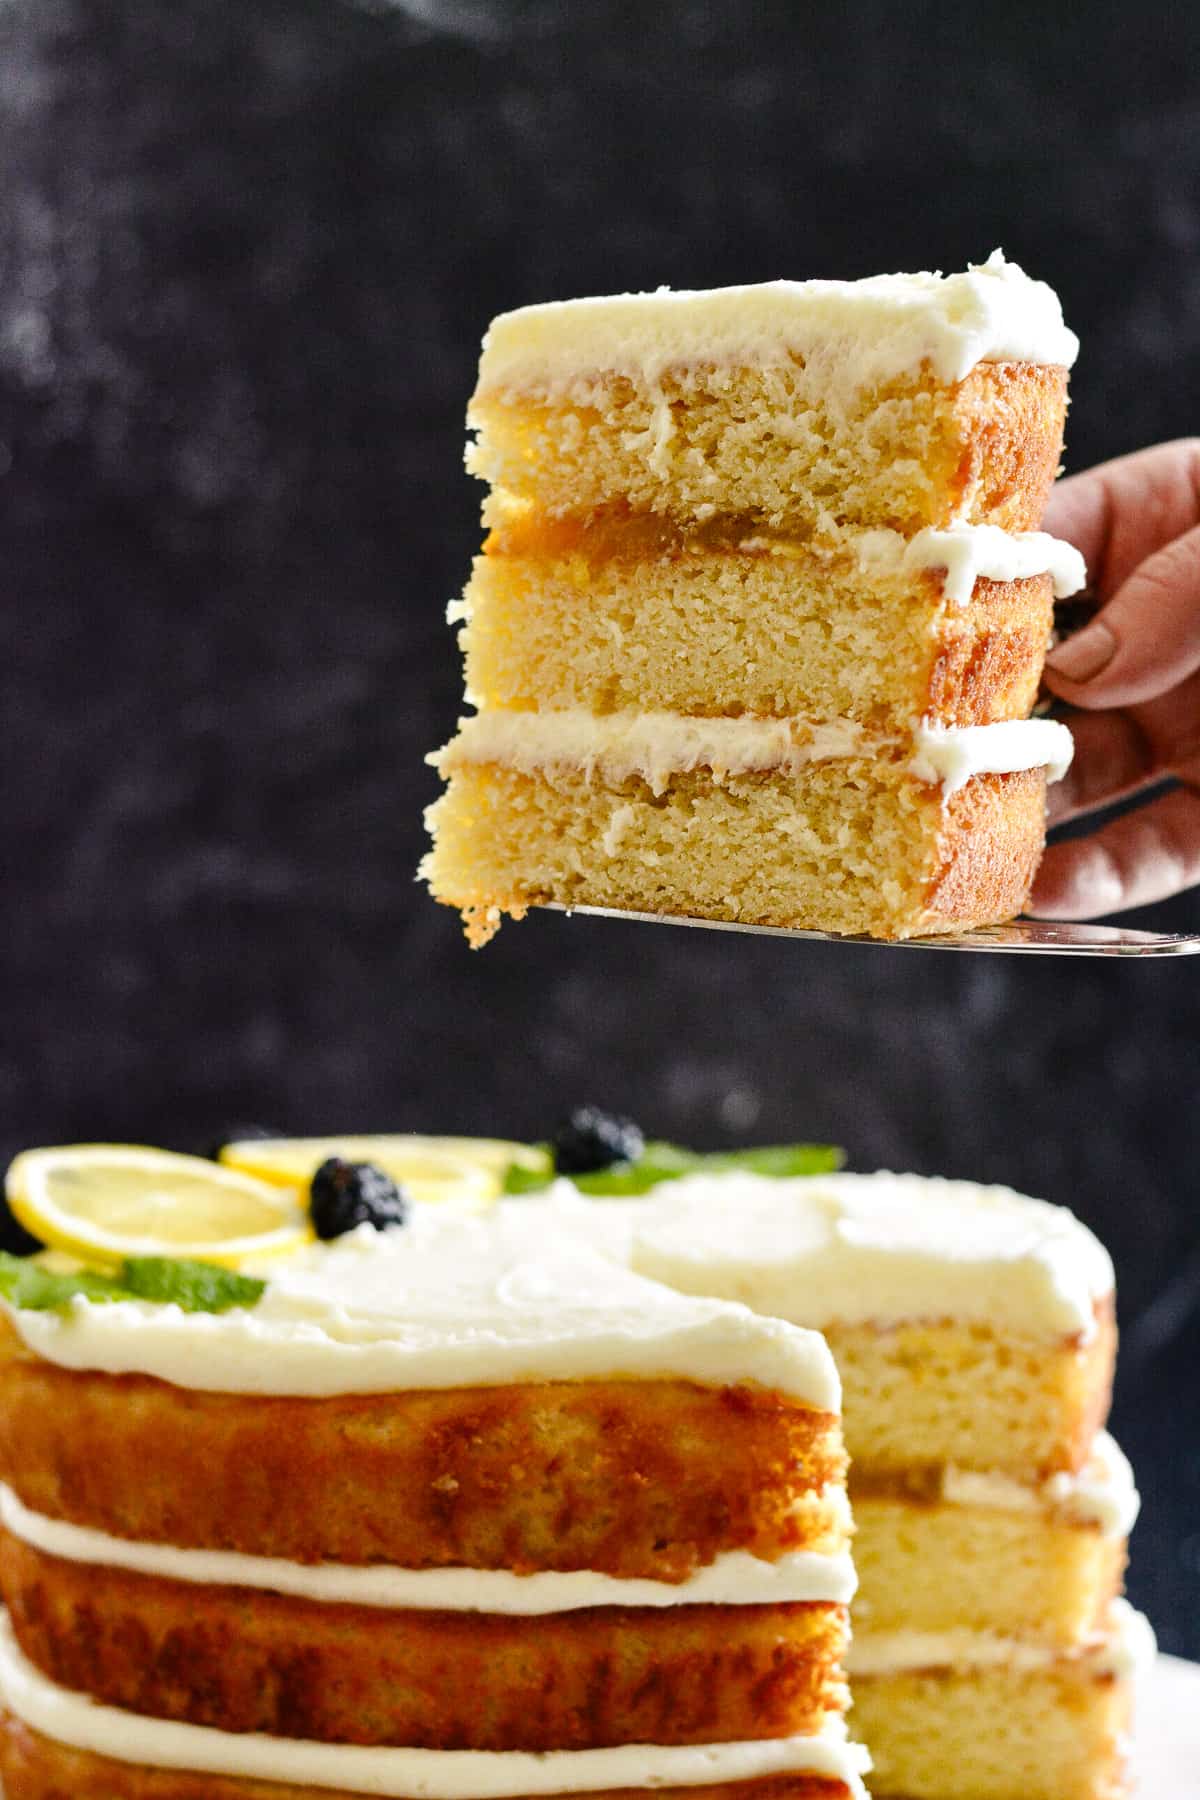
442, 1515
974, 1332
762, 613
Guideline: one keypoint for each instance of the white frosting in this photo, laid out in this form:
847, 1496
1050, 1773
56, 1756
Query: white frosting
74, 1719
879, 1249
1102, 1496
952, 755
1123, 1650
857, 333
657, 745
445, 1301
733, 1579
968, 553
653, 745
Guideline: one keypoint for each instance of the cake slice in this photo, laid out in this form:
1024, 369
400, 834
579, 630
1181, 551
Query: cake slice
973, 1329
445, 1512
761, 614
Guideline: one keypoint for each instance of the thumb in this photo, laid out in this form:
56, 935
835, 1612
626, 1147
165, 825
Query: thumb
1145, 641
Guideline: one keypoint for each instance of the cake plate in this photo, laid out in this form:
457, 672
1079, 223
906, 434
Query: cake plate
1166, 1755
1045, 937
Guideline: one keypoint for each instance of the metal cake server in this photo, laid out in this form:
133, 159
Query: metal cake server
1043, 937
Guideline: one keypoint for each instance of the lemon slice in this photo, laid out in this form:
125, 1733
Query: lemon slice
104, 1202
467, 1170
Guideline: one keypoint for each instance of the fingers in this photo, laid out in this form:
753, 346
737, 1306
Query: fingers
1113, 757
1144, 856
1121, 512
1144, 641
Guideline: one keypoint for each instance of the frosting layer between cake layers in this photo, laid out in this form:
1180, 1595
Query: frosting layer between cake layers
656, 745
878, 328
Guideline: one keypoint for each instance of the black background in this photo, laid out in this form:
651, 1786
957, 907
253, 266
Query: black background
248, 250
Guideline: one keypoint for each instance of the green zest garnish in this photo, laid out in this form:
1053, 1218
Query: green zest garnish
193, 1286
661, 1162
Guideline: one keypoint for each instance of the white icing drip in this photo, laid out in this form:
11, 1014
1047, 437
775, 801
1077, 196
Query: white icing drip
953, 755
879, 1249
968, 553
446, 1301
857, 333
653, 745
1102, 1496
74, 1719
1123, 1649
733, 1579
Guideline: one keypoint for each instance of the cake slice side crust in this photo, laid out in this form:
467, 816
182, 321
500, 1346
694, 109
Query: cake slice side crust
628, 1478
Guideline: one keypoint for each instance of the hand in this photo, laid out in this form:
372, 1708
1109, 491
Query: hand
1134, 674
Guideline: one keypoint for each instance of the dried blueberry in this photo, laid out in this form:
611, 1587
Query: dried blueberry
347, 1194
591, 1139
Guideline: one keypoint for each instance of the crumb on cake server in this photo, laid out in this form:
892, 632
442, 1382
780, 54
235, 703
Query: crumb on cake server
449, 1514
973, 1327
762, 611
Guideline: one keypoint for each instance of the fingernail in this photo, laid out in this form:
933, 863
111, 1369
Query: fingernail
1083, 656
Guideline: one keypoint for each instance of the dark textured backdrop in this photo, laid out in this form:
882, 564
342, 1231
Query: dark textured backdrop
246, 254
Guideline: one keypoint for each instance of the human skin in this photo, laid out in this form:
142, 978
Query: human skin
1132, 679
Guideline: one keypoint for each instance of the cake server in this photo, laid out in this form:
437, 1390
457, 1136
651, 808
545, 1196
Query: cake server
1046, 937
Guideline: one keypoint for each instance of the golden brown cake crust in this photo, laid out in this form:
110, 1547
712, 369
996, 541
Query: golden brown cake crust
993, 834
628, 1478
33, 1767
240, 1659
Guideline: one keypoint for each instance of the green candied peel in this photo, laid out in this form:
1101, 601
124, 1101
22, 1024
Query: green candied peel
194, 1287
661, 1162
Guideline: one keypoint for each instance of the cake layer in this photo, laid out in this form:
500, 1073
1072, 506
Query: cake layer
74, 1719
1006, 1724
936, 1567
645, 1479
251, 1661
848, 845
951, 626
35, 1767
904, 401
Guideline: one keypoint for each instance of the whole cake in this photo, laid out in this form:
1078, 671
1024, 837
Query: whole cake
762, 612
440, 1509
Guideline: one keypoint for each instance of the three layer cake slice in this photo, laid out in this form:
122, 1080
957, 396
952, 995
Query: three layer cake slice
762, 612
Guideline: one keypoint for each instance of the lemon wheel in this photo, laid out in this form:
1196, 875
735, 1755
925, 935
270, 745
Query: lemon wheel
105, 1202
469, 1171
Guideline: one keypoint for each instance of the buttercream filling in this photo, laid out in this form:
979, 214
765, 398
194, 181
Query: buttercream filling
74, 1719
733, 1579
966, 554
1121, 1650
857, 333
653, 746
446, 1301
953, 755
1101, 1496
